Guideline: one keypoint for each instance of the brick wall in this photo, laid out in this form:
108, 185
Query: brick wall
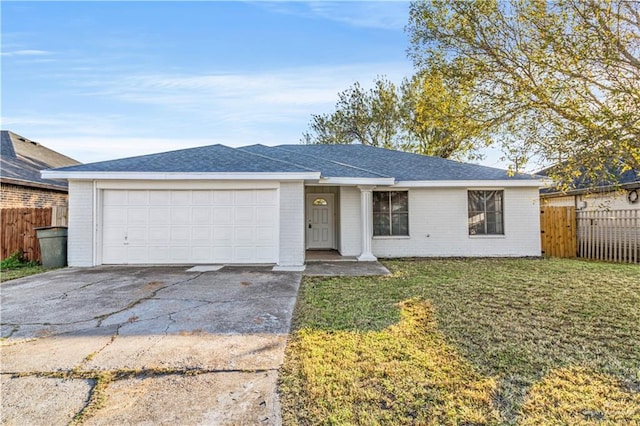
13, 196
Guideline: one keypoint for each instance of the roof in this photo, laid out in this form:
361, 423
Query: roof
336, 163
21, 161
583, 184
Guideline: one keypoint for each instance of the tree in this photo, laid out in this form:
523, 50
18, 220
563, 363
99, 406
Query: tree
409, 118
562, 78
367, 117
435, 117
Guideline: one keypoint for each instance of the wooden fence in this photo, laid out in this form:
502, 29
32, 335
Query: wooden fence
558, 231
17, 229
612, 236
609, 235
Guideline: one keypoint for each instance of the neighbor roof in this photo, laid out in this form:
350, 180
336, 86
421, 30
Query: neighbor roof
584, 184
330, 161
21, 161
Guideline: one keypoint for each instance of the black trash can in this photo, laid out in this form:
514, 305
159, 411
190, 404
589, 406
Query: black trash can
53, 246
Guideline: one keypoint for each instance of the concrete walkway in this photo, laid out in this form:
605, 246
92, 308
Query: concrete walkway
157, 345
344, 269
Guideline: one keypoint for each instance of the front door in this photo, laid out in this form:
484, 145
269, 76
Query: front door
320, 231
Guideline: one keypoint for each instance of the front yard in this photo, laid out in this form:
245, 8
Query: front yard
486, 341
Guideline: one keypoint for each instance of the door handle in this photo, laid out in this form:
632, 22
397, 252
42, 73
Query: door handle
309, 226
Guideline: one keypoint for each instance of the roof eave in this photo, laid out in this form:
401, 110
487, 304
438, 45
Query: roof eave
381, 181
32, 184
510, 183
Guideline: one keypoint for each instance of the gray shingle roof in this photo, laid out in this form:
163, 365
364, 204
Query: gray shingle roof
327, 168
403, 166
338, 161
21, 161
206, 159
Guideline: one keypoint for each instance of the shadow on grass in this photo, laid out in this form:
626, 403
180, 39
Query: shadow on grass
515, 321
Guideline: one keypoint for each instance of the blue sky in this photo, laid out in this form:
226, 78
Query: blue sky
103, 80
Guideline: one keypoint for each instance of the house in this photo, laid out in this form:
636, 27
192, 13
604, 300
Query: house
21, 185
603, 196
268, 205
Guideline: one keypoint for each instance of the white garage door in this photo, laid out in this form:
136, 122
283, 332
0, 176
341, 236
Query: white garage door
199, 226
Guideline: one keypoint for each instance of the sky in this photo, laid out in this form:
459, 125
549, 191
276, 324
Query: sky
104, 80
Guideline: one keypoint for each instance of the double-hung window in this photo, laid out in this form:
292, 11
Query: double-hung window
390, 213
486, 213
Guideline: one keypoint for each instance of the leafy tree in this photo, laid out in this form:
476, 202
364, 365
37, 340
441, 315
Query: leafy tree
410, 118
436, 119
561, 78
368, 117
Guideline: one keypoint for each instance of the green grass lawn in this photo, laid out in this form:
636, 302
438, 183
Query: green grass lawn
15, 266
486, 341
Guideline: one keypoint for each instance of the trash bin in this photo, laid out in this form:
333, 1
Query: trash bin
53, 246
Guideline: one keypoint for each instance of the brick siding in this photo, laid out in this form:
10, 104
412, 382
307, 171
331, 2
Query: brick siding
13, 196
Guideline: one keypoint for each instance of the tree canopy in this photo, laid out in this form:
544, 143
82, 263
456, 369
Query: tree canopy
558, 80
415, 117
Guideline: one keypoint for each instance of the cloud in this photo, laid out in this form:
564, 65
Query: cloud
27, 52
386, 15
245, 97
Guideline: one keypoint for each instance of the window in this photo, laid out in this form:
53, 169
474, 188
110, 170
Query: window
390, 213
320, 202
485, 213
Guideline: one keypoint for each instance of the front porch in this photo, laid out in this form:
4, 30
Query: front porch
338, 223
329, 263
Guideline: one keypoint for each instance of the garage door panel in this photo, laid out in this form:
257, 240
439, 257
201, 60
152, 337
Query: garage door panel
201, 254
180, 198
264, 253
189, 226
223, 215
138, 254
137, 216
114, 235
179, 254
180, 234
243, 254
244, 214
115, 198
201, 197
265, 198
159, 234
201, 233
180, 215
159, 215
138, 198
223, 197
137, 235
222, 254
244, 235
201, 216
245, 197
159, 254
159, 198
264, 234
222, 235
114, 216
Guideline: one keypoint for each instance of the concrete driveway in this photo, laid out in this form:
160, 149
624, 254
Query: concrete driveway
144, 345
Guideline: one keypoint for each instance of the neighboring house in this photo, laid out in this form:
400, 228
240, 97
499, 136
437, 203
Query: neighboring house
268, 205
21, 184
585, 196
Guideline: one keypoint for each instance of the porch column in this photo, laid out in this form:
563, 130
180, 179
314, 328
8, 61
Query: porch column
366, 219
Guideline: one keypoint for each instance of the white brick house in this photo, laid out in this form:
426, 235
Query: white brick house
269, 205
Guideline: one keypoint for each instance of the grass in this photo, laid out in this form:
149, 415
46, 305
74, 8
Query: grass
15, 266
485, 341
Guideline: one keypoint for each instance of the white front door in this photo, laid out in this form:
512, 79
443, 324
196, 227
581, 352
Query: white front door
320, 231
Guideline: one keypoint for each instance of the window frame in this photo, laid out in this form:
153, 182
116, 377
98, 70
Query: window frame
391, 214
485, 212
